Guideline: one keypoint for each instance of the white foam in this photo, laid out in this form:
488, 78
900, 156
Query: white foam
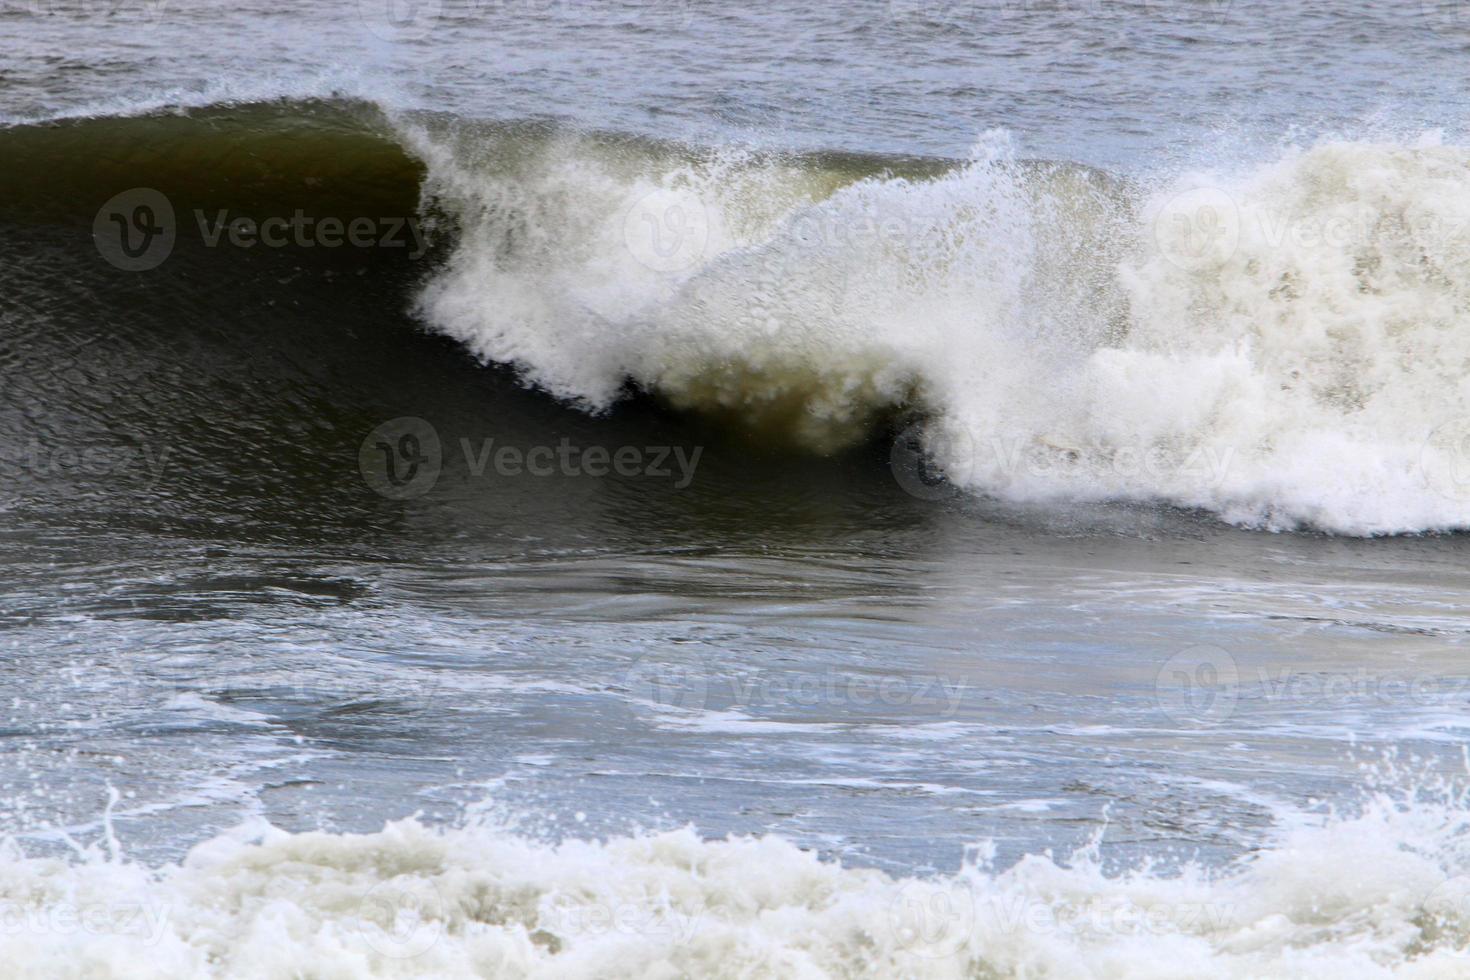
1281, 346
1378, 895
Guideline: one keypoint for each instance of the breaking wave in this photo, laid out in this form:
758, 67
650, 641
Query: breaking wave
1282, 346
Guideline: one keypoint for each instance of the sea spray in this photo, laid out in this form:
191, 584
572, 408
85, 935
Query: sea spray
1282, 346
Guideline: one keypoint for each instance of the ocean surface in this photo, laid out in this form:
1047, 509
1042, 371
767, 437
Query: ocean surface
544, 488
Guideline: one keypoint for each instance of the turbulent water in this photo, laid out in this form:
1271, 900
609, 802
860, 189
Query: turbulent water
1279, 348
663, 489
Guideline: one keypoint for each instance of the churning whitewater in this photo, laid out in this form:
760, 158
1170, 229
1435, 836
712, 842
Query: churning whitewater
1281, 347
481, 900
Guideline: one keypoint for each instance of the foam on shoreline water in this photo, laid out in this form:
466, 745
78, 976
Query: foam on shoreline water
1384, 893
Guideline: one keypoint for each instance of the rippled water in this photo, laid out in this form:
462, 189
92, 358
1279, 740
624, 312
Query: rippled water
1111, 83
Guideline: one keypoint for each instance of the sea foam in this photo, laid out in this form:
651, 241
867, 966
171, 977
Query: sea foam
1281, 346
1383, 893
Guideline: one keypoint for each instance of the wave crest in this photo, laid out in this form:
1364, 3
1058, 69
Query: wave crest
1277, 347
1280, 346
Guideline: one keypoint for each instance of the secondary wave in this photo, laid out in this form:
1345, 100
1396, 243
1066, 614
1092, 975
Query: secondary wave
478, 900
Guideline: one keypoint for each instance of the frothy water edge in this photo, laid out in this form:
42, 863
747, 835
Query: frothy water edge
1383, 892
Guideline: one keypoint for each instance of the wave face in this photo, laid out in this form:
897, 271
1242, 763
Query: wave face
411, 901
803, 297
1281, 347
